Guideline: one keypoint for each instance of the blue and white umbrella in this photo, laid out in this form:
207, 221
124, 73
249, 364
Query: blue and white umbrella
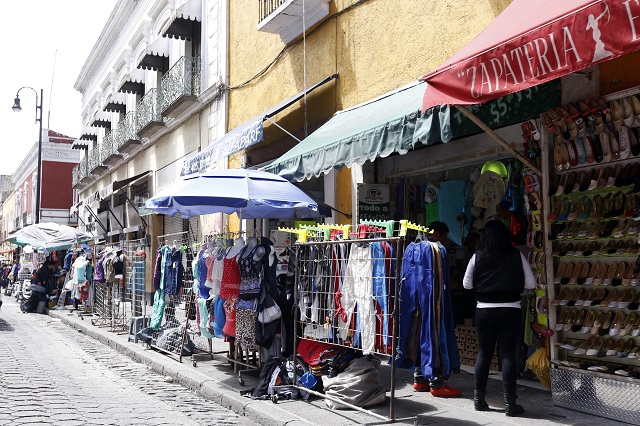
252, 194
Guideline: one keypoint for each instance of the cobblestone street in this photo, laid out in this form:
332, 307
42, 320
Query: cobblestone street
51, 374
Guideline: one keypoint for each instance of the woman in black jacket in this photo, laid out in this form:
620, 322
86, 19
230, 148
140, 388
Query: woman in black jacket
498, 273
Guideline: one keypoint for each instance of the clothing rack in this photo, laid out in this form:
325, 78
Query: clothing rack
111, 297
328, 325
175, 309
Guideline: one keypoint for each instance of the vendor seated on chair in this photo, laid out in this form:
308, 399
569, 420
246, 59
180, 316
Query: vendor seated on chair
55, 285
43, 274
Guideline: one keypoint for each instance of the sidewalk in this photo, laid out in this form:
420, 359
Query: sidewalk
215, 380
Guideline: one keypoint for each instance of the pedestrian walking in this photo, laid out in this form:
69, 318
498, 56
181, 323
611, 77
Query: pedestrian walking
498, 273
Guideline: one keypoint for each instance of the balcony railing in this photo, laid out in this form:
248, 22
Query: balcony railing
84, 168
127, 130
183, 79
29, 219
267, 7
148, 110
288, 18
109, 154
76, 177
94, 158
107, 146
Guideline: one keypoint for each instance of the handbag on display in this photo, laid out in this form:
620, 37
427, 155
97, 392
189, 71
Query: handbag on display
268, 309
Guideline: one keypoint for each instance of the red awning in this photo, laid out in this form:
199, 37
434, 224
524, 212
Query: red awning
532, 42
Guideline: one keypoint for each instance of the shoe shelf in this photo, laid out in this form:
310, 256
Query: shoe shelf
597, 166
584, 258
605, 190
593, 229
597, 286
605, 229
593, 207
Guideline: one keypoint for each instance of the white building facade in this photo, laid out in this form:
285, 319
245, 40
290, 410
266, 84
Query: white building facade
152, 96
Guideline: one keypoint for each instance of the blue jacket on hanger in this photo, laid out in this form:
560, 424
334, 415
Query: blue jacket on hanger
415, 292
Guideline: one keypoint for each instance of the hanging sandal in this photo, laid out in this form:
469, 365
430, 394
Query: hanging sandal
605, 146
566, 159
616, 113
633, 142
616, 348
616, 325
573, 152
582, 350
588, 322
615, 145
571, 317
608, 344
597, 323
628, 117
562, 319
626, 348
548, 123
624, 142
587, 142
611, 271
598, 123
628, 326
595, 346
596, 145
593, 272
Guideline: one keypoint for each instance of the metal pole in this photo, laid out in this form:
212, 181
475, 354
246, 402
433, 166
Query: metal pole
396, 327
39, 182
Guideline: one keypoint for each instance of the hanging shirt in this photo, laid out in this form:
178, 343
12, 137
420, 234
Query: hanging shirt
216, 276
67, 260
415, 297
80, 270
249, 269
174, 271
380, 295
200, 274
357, 290
99, 272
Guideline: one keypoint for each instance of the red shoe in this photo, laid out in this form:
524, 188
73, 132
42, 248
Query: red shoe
421, 387
446, 392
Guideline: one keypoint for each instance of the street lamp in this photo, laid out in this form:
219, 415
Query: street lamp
16, 107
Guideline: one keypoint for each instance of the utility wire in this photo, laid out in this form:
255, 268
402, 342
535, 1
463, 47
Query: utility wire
53, 76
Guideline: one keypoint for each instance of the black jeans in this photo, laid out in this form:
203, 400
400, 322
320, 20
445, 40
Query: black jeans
501, 325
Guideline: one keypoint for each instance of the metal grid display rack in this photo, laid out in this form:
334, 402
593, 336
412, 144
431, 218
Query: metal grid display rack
136, 253
321, 321
178, 326
106, 298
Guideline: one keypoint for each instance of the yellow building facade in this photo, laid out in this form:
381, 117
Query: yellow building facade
374, 46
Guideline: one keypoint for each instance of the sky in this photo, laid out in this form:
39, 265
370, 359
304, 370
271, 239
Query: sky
37, 35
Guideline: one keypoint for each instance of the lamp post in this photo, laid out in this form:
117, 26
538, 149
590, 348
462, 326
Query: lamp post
16, 107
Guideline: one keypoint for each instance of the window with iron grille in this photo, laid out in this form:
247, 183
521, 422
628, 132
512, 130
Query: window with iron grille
142, 189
